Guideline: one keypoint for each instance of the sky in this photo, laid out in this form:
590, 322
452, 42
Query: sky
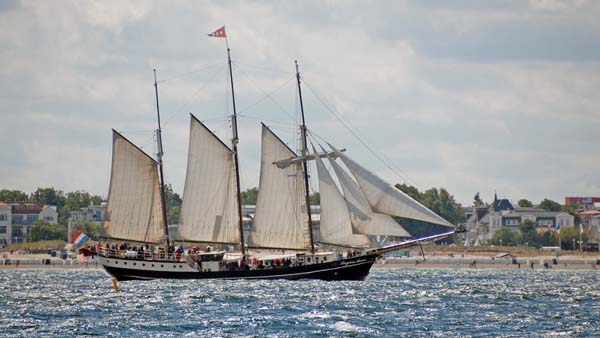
472, 96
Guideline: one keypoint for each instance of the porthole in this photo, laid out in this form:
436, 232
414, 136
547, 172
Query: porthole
181, 266
125, 263
143, 264
162, 266
134, 264
116, 262
174, 266
152, 265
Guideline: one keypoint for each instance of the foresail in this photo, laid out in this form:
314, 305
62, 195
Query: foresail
335, 226
209, 212
364, 220
384, 198
134, 209
280, 219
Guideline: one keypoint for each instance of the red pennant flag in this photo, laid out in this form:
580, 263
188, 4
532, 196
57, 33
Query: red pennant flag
219, 33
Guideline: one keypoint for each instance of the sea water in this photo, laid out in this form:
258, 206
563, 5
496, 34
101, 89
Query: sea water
403, 303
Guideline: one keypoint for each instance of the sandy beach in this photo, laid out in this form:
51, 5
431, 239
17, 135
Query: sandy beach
44, 261
479, 262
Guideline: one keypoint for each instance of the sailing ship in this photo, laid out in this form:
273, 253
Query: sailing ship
281, 243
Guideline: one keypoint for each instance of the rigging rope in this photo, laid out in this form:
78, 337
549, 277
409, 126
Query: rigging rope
267, 95
183, 75
355, 134
272, 70
191, 98
245, 76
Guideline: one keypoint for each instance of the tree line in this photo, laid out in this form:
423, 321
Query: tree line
438, 200
528, 235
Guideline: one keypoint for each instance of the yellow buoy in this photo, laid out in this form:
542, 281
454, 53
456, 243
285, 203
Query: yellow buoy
115, 284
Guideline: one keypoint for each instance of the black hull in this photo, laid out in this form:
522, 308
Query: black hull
355, 268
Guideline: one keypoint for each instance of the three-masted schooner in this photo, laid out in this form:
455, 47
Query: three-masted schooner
281, 243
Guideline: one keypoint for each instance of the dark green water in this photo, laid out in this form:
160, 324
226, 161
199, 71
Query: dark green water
403, 303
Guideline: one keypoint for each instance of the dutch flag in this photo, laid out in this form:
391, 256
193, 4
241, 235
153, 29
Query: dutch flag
80, 238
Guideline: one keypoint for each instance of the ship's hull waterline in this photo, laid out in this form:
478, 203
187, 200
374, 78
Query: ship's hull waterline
354, 268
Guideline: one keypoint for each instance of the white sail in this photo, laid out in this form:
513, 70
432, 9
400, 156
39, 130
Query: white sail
384, 198
335, 227
364, 220
134, 209
209, 212
280, 220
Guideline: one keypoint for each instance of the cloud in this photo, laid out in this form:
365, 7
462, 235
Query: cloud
472, 96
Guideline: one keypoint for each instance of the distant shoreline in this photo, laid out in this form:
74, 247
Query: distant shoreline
477, 263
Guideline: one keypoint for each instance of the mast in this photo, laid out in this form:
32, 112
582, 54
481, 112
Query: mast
234, 142
304, 163
160, 163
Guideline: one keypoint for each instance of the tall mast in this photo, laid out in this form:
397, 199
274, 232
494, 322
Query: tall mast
160, 163
234, 142
304, 163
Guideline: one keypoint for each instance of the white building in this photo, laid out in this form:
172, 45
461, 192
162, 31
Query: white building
591, 223
17, 217
93, 213
483, 222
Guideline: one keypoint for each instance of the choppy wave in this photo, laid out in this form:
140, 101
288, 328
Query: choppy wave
403, 303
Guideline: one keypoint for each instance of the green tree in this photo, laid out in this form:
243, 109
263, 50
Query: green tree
572, 210
249, 196
506, 237
315, 198
13, 195
523, 203
549, 239
49, 196
569, 236
76, 200
173, 203
93, 230
409, 190
529, 233
41, 230
441, 202
549, 205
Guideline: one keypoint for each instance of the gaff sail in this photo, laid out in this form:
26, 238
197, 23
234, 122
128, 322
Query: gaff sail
134, 209
209, 212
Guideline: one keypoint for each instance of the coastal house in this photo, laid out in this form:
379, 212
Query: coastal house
591, 223
483, 222
16, 219
584, 203
92, 213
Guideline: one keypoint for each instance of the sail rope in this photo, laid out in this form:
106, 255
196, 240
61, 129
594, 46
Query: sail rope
354, 133
266, 69
196, 71
269, 95
180, 109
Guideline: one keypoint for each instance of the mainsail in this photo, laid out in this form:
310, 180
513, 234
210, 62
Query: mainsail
335, 226
209, 212
280, 219
384, 198
364, 220
134, 209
